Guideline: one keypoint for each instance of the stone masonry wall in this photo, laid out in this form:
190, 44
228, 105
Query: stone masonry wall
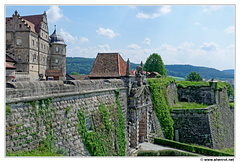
192, 126
37, 115
212, 126
197, 94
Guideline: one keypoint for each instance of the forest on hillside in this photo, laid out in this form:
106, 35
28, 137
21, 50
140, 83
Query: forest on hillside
84, 65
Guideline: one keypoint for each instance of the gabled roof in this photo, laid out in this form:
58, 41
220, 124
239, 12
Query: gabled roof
34, 21
108, 65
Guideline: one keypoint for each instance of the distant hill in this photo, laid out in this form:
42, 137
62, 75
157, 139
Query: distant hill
231, 71
84, 66
205, 72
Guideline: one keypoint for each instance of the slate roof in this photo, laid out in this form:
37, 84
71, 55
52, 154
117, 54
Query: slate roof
108, 65
55, 38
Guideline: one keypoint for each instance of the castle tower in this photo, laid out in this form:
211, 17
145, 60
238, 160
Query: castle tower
58, 53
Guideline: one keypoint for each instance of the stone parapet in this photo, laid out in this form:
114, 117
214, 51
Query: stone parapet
43, 88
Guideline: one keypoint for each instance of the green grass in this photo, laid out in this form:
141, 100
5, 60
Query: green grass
177, 78
228, 150
188, 105
184, 84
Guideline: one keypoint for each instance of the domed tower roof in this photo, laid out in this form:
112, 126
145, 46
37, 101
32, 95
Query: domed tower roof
55, 38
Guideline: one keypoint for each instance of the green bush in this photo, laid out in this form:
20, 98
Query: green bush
164, 153
190, 148
231, 105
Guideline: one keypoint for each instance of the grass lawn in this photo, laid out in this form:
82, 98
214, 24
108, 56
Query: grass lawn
188, 105
228, 150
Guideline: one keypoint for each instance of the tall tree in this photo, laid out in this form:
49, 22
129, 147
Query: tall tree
154, 63
194, 76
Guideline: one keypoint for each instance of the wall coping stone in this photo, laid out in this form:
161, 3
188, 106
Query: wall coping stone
31, 98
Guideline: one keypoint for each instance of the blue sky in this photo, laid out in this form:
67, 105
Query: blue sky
201, 35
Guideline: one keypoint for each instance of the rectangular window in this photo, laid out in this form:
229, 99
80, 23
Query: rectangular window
89, 123
33, 43
19, 41
57, 49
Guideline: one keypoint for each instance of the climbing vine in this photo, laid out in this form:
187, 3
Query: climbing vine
107, 137
42, 113
158, 88
120, 126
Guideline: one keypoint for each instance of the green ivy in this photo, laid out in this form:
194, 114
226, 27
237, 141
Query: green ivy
68, 109
108, 137
120, 127
8, 110
158, 88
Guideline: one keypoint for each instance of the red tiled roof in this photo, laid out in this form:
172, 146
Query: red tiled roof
53, 73
34, 21
108, 65
8, 66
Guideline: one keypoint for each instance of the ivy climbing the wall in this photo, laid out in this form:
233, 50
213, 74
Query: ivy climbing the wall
43, 115
107, 137
158, 88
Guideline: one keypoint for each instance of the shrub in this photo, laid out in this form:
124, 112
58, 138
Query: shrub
190, 148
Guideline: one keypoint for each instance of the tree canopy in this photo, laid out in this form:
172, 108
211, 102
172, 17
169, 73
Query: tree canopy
154, 63
194, 76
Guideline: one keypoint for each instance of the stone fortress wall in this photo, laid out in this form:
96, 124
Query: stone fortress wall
212, 126
25, 128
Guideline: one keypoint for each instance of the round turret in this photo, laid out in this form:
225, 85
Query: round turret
56, 39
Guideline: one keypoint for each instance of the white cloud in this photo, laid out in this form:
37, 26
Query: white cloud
133, 46
184, 53
84, 40
67, 36
209, 46
160, 11
104, 48
211, 8
197, 23
229, 30
147, 41
106, 32
88, 52
185, 46
231, 47
54, 13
